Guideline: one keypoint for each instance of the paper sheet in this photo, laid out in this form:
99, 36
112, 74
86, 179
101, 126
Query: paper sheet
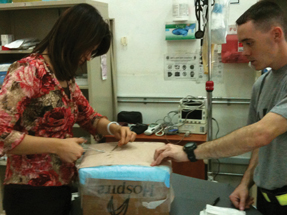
214, 210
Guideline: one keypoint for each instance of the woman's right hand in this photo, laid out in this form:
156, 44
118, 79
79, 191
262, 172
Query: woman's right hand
69, 150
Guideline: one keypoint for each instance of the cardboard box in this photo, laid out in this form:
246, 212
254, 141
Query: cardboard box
25, 0
5, 1
123, 182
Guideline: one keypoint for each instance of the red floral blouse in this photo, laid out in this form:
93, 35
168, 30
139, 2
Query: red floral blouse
33, 102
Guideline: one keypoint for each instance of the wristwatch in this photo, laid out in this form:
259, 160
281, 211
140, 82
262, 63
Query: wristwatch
189, 150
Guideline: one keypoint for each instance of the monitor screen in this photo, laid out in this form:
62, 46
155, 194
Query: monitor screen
191, 114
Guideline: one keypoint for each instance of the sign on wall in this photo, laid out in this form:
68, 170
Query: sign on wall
181, 66
189, 67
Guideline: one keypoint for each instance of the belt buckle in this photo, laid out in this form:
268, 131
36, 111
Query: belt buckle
265, 196
282, 199
271, 197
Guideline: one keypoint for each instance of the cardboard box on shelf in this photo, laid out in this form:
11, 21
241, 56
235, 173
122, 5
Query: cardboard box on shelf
5, 1
6, 39
14, 1
121, 181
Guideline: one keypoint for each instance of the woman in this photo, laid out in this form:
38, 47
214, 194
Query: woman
39, 104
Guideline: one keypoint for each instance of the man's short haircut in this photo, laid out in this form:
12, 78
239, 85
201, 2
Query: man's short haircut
264, 15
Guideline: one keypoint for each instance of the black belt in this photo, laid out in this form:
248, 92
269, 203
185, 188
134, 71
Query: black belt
276, 196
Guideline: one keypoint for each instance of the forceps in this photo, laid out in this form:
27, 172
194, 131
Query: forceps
115, 148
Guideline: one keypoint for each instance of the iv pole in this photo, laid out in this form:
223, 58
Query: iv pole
209, 84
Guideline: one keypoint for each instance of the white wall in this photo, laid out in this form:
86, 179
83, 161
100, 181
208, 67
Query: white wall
140, 64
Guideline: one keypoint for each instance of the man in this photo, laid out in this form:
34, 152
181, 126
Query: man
263, 31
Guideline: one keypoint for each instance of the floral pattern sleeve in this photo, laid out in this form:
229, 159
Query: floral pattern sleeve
21, 84
33, 102
87, 117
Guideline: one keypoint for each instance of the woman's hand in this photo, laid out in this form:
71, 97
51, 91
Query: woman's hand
69, 150
123, 134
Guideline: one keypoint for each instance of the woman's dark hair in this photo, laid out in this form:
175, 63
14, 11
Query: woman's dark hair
78, 30
264, 15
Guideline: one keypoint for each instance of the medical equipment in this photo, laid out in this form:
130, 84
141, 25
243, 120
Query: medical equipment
192, 116
152, 128
199, 4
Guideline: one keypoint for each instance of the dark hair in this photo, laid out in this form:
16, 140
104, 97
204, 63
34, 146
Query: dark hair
78, 30
264, 15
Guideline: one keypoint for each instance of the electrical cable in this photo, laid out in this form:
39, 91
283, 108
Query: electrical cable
160, 132
176, 142
167, 123
218, 162
217, 127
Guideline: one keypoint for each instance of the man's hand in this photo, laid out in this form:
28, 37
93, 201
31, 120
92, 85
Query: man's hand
240, 197
169, 151
69, 150
124, 135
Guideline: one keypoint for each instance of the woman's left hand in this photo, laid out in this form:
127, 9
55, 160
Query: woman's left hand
124, 135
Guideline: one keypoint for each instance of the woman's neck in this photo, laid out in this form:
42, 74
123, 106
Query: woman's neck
47, 60
45, 54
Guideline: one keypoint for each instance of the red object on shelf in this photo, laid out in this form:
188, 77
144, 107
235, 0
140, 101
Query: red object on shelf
231, 51
5, 49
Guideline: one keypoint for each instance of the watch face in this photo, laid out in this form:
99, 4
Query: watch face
190, 145
189, 150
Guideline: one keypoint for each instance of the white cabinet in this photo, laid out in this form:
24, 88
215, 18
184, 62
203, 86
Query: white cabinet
35, 19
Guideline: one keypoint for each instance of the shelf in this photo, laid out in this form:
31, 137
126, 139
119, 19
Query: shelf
3, 162
16, 52
44, 4
84, 87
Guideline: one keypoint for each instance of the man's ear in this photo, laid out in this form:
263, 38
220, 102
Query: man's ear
277, 33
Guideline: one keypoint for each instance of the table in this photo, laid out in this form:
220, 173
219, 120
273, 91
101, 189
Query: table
195, 169
192, 195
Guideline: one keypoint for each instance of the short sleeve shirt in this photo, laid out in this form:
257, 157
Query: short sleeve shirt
270, 95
